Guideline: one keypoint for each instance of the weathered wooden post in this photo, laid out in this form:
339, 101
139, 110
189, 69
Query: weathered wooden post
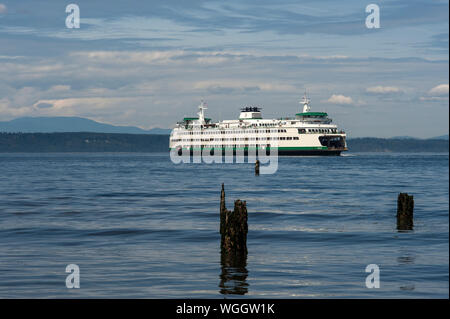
257, 168
233, 257
405, 209
233, 226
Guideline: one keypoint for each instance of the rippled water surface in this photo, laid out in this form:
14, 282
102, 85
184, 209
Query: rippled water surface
139, 226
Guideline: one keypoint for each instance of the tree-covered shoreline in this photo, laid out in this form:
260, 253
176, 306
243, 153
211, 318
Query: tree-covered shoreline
114, 142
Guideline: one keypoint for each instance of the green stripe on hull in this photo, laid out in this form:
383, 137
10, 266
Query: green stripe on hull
302, 148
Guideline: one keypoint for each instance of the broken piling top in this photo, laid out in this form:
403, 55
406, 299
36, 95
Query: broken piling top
405, 211
222, 201
233, 226
257, 168
405, 204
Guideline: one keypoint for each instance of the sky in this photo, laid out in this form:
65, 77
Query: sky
150, 63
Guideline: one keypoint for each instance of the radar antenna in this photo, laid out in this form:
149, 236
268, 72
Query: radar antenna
201, 114
305, 102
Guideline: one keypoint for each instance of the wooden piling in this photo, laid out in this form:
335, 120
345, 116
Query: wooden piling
257, 168
233, 227
405, 210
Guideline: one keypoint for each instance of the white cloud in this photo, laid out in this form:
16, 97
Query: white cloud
437, 94
340, 99
237, 84
59, 88
2, 8
212, 59
441, 89
124, 57
434, 98
70, 106
383, 89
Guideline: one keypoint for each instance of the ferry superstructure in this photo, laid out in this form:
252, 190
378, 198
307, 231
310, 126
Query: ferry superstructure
308, 133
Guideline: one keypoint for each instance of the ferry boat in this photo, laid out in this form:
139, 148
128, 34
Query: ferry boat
308, 133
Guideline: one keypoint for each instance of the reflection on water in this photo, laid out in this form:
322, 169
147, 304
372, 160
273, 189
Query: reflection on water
404, 226
406, 259
408, 287
233, 279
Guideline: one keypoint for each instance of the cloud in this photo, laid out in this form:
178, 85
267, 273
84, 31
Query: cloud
156, 87
43, 105
434, 98
2, 8
212, 59
60, 88
227, 86
439, 90
383, 90
127, 57
340, 99
437, 94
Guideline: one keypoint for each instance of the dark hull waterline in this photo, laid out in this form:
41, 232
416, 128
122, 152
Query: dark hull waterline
334, 152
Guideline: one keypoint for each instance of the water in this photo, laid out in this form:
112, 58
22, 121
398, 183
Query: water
139, 226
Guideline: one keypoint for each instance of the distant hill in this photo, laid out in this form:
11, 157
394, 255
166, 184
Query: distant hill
442, 137
403, 145
70, 124
403, 138
82, 142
